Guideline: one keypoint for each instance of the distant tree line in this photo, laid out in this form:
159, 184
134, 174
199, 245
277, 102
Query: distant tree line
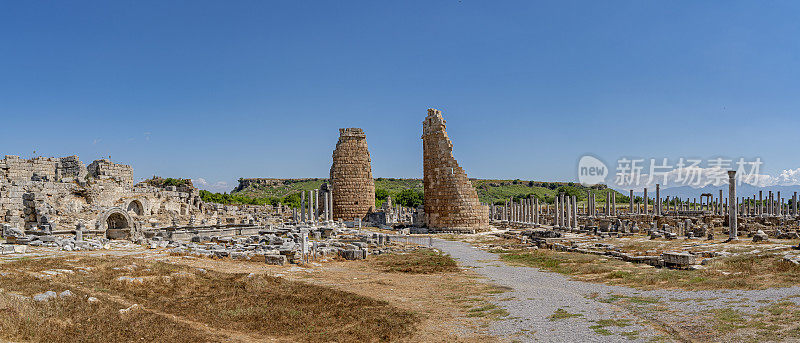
406, 197
291, 200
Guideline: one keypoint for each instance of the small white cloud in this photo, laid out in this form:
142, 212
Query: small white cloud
96, 140
147, 136
219, 186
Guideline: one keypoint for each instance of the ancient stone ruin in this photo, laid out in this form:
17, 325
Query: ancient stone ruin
46, 195
451, 202
351, 176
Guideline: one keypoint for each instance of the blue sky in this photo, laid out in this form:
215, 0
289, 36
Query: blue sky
227, 89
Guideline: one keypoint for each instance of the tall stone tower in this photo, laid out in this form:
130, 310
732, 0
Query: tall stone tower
451, 201
351, 176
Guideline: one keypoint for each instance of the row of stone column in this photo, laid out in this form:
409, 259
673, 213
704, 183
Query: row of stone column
526, 210
311, 210
566, 211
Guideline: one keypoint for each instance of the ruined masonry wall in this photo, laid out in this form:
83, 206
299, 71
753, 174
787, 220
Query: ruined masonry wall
351, 176
105, 170
16, 169
451, 201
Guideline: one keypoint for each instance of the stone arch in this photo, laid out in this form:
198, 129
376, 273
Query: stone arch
135, 207
116, 223
184, 209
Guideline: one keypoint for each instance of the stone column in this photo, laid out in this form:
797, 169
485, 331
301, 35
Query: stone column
794, 204
657, 202
524, 204
630, 209
732, 208
303, 206
644, 199
575, 211
536, 210
555, 215
568, 216
614, 204
327, 209
331, 206
311, 214
316, 202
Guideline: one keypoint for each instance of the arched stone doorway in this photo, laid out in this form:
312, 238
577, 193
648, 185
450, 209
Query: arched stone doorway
117, 223
135, 207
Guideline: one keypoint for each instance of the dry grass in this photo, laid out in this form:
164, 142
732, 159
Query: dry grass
421, 261
776, 322
740, 272
258, 305
73, 319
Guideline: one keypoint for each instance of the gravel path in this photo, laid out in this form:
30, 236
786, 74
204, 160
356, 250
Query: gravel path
537, 295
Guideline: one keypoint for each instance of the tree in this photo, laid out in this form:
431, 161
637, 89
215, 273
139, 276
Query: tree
381, 194
410, 198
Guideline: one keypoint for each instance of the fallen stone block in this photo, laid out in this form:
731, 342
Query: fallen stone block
278, 260
353, 254
45, 296
677, 259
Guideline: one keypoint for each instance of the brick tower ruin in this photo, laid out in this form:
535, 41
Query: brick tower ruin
451, 201
351, 176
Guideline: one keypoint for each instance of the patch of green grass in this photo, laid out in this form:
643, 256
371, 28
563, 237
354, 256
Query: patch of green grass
637, 300
563, 314
727, 320
600, 327
631, 335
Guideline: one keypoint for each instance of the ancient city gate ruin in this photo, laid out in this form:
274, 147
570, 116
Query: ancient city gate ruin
351, 176
451, 201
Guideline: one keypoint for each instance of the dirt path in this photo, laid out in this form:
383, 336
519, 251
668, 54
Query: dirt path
535, 296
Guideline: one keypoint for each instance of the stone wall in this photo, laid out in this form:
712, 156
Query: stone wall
451, 201
107, 170
16, 169
351, 176
60, 192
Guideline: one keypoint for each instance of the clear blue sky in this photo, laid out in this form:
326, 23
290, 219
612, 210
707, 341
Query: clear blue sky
227, 89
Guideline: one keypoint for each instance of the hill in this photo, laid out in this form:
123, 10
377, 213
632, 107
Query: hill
407, 191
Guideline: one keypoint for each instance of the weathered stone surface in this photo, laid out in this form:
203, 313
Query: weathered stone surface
351, 176
353, 254
45, 296
679, 259
451, 201
278, 260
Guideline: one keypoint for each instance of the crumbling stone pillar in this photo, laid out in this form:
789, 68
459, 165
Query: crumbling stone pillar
732, 208
351, 176
450, 199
